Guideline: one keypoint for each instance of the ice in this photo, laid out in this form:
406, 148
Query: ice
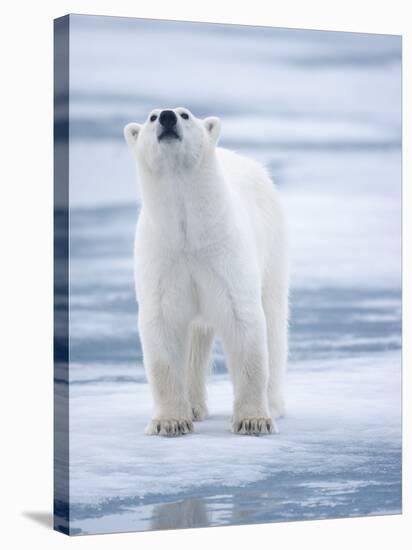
360, 401
336, 420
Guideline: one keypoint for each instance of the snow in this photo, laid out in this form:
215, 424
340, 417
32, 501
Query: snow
345, 398
337, 418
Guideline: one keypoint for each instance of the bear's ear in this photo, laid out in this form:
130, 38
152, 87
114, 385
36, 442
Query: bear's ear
131, 133
212, 125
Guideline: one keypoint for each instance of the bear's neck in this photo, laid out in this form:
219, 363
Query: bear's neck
186, 202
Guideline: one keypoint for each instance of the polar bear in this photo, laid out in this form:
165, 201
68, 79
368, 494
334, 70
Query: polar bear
210, 259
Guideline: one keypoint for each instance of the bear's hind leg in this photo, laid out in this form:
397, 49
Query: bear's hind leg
201, 341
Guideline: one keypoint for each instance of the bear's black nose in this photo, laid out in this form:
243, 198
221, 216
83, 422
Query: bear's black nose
168, 119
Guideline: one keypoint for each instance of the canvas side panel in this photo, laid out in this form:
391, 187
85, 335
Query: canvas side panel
61, 275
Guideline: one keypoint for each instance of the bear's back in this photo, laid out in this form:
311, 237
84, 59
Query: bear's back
250, 180
260, 201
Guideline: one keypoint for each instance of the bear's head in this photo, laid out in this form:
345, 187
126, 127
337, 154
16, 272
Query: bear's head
172, 139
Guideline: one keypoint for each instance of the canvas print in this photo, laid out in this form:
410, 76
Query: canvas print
227, 274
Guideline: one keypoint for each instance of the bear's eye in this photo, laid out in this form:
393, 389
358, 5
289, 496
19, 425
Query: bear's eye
184, 115
153, 118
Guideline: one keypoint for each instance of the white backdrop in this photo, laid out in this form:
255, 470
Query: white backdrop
26, 270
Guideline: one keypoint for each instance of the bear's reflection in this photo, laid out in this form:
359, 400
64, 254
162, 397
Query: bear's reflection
191, 512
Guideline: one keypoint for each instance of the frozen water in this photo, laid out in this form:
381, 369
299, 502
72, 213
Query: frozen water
338, 446
322, 111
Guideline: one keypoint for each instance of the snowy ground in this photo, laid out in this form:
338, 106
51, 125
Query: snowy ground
337, 454
322, 111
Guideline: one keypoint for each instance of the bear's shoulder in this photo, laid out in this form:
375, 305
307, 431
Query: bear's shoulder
242, 168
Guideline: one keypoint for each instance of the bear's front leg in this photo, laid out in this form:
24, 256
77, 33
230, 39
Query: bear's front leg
165, 358
246, 348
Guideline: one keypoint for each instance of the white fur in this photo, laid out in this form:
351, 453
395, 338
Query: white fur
210, 258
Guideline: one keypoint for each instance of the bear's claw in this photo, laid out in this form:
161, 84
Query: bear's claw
255, 426
169, 427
